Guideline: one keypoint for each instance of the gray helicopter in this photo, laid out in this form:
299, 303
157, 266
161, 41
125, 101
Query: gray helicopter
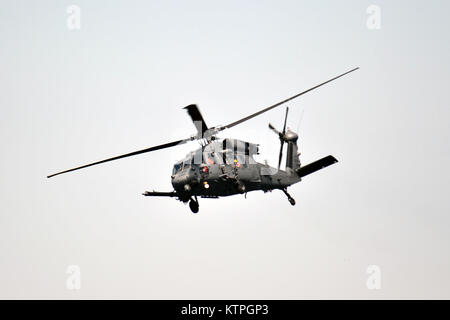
225, 167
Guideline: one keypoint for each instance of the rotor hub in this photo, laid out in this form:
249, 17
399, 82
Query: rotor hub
290, 136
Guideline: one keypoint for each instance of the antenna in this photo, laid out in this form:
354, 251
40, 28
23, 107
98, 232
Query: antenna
300, 120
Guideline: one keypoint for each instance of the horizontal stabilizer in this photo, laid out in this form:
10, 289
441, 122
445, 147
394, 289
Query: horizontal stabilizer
159, 194
316, 165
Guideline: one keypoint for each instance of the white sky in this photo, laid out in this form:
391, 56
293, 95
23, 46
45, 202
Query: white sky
118, 85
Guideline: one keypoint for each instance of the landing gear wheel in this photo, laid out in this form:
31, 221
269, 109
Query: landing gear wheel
290, 199
193, 205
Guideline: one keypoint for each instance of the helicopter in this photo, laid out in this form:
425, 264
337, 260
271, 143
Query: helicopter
225, 167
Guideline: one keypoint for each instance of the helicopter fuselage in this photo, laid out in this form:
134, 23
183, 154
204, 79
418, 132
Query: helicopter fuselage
224, 168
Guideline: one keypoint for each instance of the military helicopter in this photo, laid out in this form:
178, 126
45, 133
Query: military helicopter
225, 167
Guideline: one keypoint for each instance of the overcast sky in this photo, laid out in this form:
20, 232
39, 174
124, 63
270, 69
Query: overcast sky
118, 84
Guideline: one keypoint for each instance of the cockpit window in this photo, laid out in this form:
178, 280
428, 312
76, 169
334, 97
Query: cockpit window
240, 158
187, 163
228, 157
209, 158
177, 167
197, 157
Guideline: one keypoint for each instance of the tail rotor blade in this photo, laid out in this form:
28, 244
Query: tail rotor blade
271, 127
281, 153
300, 120
281, 134
285, 120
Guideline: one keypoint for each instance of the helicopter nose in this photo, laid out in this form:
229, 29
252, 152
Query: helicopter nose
179, 182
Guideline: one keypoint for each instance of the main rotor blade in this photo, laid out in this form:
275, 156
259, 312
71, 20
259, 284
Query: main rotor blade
281, 102
162, 146
197, 119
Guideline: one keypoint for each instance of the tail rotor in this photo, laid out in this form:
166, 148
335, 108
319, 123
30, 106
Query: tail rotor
281, 135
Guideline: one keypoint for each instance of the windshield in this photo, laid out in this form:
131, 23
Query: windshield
177, 167
240, 158
187, 163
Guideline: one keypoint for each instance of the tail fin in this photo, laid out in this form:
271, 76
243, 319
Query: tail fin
292, 159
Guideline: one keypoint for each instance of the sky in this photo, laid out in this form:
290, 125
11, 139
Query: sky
118, 83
